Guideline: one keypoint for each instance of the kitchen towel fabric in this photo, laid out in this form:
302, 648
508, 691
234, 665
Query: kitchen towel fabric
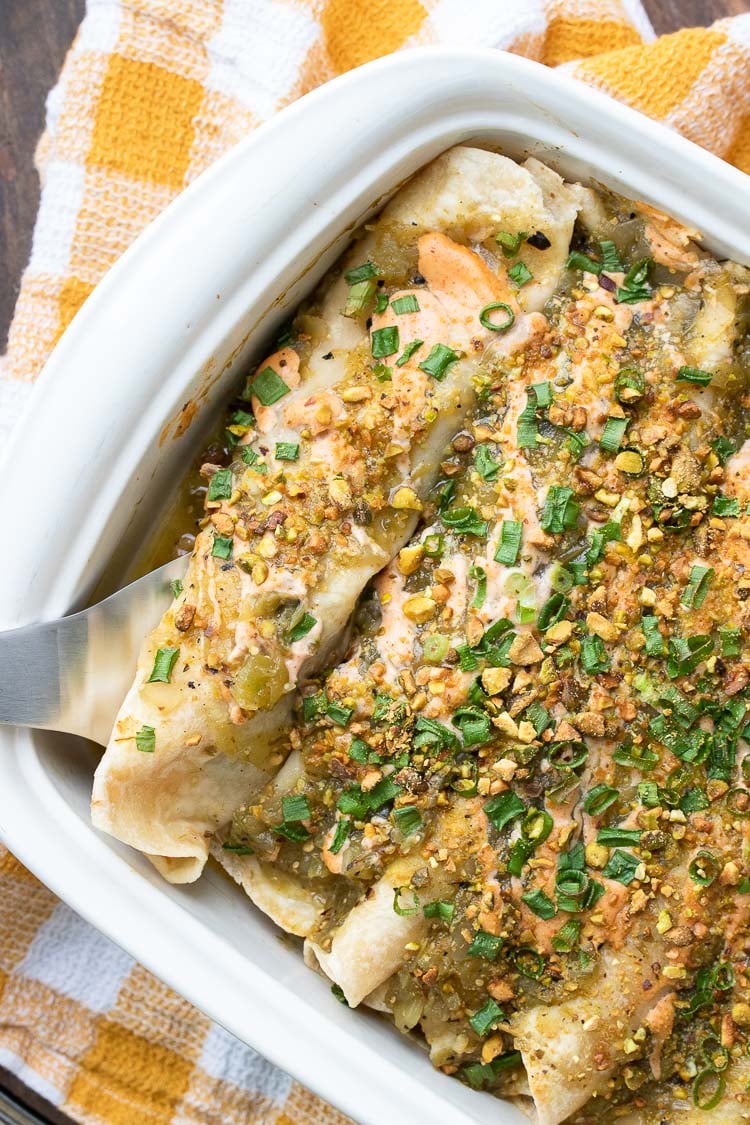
152, 91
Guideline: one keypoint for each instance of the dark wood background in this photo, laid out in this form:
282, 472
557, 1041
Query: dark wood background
34, 36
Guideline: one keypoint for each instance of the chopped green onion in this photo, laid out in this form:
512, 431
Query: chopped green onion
560, 512
704, 868
382, 372
621, 866
600, 798
474, 725
220, 485
630, 385
313, 706
536, 826
221, 547
465, 521
730, 639
520, 275
341, 716
381, 302
479, 575
723, 448
408, 352
567, 755
540, 904
510, 244
485, 1019
384, 342
145, 739
407, 819
610, 257
485, 464
163, 665
686, 653
435, 648
612, 434
526, 431
302, 628
503, 326
442, 910
725, 506
654, 640
543, 392
438, 361
648, 793
694, 594
176, 587
382, 793
295, 808
250, 457
405, 911
708, 1089
504, 808
611, 836
485, 945
287, 451
578, 261
566, 938
237, 849
694, 375
635, 287
341, 832
434, 545
528, 962
593, 655
553, 610
268, 387
638, 757
360, 297
510, 542
407, 304
360, 273
539, 717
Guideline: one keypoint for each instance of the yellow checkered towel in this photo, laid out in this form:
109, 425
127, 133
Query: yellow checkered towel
151, 93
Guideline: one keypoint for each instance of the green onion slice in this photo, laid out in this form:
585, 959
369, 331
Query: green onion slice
287, 451
385, 342
268, 387
163, 664
220, 485
494, 325
694, 375
145, 740
407, 304
694, 594
438, 361
520, 275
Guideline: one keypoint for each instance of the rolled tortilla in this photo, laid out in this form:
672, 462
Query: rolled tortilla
367, 457
370, 945
570, 1050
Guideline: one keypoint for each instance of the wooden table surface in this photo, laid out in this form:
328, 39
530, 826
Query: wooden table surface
34, 36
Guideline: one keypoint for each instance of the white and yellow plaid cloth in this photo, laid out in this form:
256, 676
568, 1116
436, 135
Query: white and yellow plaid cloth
151, 93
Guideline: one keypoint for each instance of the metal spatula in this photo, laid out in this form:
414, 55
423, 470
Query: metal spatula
73, 674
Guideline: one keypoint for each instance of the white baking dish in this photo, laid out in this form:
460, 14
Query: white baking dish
173, 323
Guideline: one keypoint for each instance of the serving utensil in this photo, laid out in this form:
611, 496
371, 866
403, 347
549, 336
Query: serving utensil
72, 674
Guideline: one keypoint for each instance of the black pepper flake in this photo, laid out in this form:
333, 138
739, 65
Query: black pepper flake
328, 355
607, 283
418, 279
539, 241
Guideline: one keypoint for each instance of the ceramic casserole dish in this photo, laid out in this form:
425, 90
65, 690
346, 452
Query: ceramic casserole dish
123, 406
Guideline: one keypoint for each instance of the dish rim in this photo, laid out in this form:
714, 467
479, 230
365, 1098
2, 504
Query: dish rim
113, 894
